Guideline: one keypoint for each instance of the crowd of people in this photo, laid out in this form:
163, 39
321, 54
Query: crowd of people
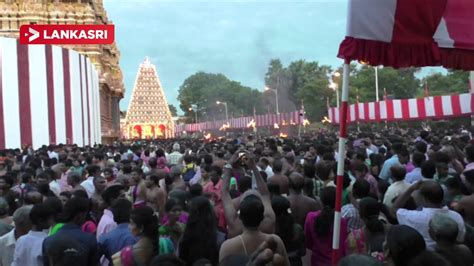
407, 198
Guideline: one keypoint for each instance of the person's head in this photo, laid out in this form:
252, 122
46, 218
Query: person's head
469, 150
137, 175
6, 182
404, 156
418, 158
205, 169
251, 211
144, 224
359, 260
21, 218
56, 206
41, 217
324, 171
173, 208
99, 184
403, 243
398, 172
195, 190
309, 170
215, 174
112, 193
369, 210
34, 197
73, 179
360, 170
277, 166
43, 178
4, 208
75, 210
442, 170
421, 147
64, 197
429, 258
121, 209
428, 169
108, 173
361, 189
244, 183
296, 182
323, 223
176, 147
167, 260
443, 228
93, 170
151, 180
284, 220
27, 178
432, 194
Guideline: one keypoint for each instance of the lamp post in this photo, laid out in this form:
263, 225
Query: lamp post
276, 98
226, 112
194, 108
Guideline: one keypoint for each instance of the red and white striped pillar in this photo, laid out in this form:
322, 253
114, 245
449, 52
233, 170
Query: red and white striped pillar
340, 163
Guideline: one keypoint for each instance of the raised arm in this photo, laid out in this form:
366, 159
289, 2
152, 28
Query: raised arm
234, 225
403, 198
268, 223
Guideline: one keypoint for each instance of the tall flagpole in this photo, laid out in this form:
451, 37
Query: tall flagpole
376, 83
340, 163
471, 83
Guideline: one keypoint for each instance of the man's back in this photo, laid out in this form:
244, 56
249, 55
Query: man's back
282, 181
301, 205
87, 241
466, 208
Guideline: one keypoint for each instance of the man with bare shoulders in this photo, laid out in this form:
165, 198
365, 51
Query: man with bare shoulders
155, 195
279, 178
219, 160
466, 205
300, 204
175, 181
139, 188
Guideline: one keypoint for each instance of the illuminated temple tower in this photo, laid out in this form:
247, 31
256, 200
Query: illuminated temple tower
148, 115
14, 13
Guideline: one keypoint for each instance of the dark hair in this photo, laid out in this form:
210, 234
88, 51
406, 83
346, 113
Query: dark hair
56, 207
216, 169
433, 259
309, 170
361, 188
428, 169
26, 177
74, 207
80, 194
323, 223
404, 243
418, 158
421, 147
153, 178
361, 167
111, 193
323, 170
244, 183
199, 239
121, 210
93, 170
65, 250
167, 260
171, 202
432, 192
8, 180
277, 166
398, 172
40, 213
442, 157
469, 153
284, 220
359, 260
251, 211
195, 190
145, 218
369, 210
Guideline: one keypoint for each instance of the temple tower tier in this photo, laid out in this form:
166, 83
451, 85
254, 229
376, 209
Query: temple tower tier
148, 115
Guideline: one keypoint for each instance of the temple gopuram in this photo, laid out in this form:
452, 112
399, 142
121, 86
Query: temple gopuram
14, 13
148, 115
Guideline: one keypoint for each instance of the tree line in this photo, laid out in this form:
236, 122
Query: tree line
309, 84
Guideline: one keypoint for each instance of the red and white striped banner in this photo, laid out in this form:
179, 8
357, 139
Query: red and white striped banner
48, 95
433, 107
267, 120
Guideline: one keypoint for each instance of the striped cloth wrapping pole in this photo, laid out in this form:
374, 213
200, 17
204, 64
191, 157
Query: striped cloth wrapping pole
340, 165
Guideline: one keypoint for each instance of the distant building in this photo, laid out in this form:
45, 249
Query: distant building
148, 115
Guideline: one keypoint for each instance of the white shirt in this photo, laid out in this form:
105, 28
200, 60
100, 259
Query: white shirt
88, 185
419, 220
28, 250
173, 158
393, 191
55, 187
7, 248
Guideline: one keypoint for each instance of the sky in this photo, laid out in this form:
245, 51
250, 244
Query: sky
235, 38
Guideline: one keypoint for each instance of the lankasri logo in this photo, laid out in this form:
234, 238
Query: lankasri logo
32, 34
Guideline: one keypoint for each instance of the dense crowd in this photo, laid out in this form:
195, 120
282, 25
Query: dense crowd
407, 200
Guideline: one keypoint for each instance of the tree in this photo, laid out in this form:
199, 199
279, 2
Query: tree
455, 81
205, 89
173, 110
399, 83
